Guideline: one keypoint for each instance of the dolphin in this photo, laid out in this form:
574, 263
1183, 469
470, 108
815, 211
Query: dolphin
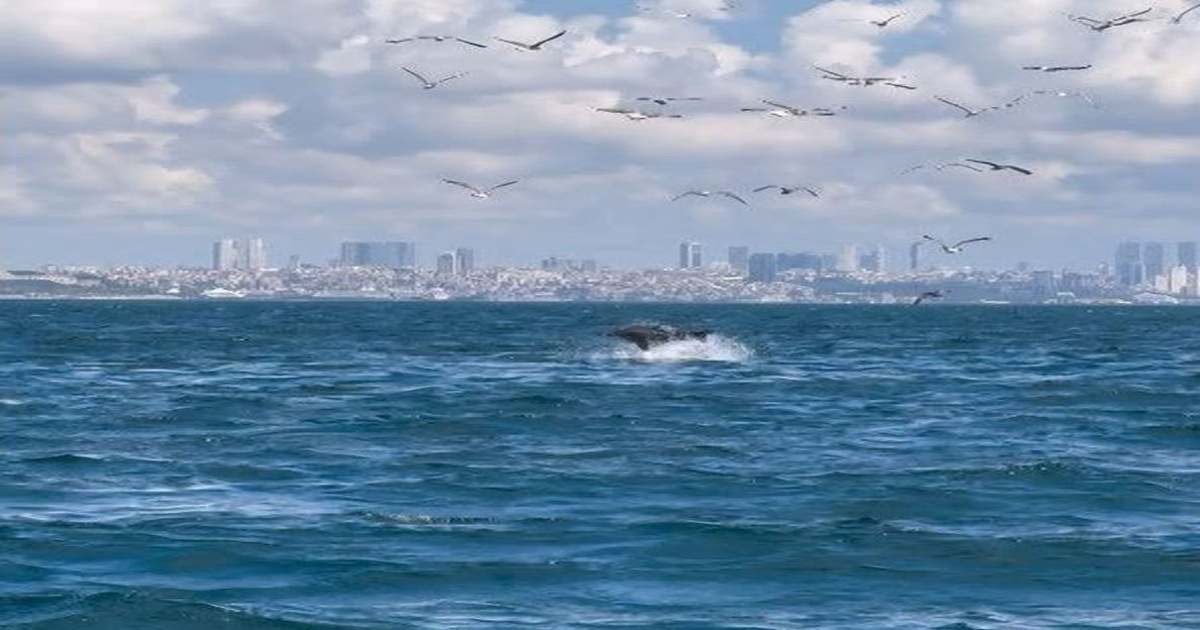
646, 336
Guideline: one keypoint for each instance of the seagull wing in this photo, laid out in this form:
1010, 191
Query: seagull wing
903, 86
912, 168
398, 41
1177, 18
811, 191
985, 163
463, 185
972, 240
1133, 15
497, 186
453, 76
615, 110
514, 43
733, 196
1013, 167
935, 240
553, 37
961, 165
470, 43
789, 108
416, 75
768, 186
836, 76
970, 112
690, 192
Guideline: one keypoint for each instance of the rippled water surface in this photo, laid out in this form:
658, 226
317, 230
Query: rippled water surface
459, 465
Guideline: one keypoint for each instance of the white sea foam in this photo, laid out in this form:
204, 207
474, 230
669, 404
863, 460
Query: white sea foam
714, 348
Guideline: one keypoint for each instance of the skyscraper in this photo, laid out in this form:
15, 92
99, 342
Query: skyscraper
739, 258
762, 267
847, 260
1153, 261
914, 256
249, 254
394, 254
1185, 254
689, 255
1128, 263
224, 255
464, 261
445, 264
875, 259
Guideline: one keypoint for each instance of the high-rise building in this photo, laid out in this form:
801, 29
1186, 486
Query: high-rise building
761, 267
1128, 263
874, 260
739, 258
802, 260
249, 254
445, 264
1153, 261
394, 254
224, 255
847, 260
914, 256
1185, 254
464, 261
689, 255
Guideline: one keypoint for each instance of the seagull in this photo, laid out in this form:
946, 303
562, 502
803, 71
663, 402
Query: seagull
926, 295
435, 38
1103, 25
1178, 18
786, 190
1076, 93
536, 45
863, 81
636, 114
1001, 167
883, 23
709, 193
943, 166
975, 112
663, 101
957, 247
426, 83
779, 110
1056, 68
481, 193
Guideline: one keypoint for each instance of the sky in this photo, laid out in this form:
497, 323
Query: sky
139, 132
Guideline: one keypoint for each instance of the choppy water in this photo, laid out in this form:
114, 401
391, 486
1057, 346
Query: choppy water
397, 465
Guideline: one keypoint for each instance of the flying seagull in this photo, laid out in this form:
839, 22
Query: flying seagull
957, 247
927, 295
1067, 93
481, 193
969, 112
863, 81
709, 193
435, 38
636, 114
1179, 17
1104, 25
663, 101
943, 166
426, 83
536, 45
787, 190
1056, 68
780, 110
1001, 167
883, 23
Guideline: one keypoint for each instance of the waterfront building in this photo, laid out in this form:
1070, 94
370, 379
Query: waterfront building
464, 261
914, 256
1153, 262
847, 260
393, 254
739, 258
1128, 263
761, 267
248, 254
1185, 254
445, 264
689, 255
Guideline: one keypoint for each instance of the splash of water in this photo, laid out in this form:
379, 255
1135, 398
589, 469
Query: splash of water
714, 348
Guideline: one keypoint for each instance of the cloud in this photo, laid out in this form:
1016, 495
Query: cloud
294, 117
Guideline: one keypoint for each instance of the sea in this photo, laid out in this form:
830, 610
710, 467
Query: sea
282, 465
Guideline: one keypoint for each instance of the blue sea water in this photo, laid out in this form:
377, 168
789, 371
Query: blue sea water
315, 465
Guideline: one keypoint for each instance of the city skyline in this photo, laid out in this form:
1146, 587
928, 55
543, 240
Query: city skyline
136, 131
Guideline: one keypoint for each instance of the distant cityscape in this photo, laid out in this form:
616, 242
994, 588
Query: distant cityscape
1139, 274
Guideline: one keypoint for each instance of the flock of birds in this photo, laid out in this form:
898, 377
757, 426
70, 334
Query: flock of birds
662, 107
